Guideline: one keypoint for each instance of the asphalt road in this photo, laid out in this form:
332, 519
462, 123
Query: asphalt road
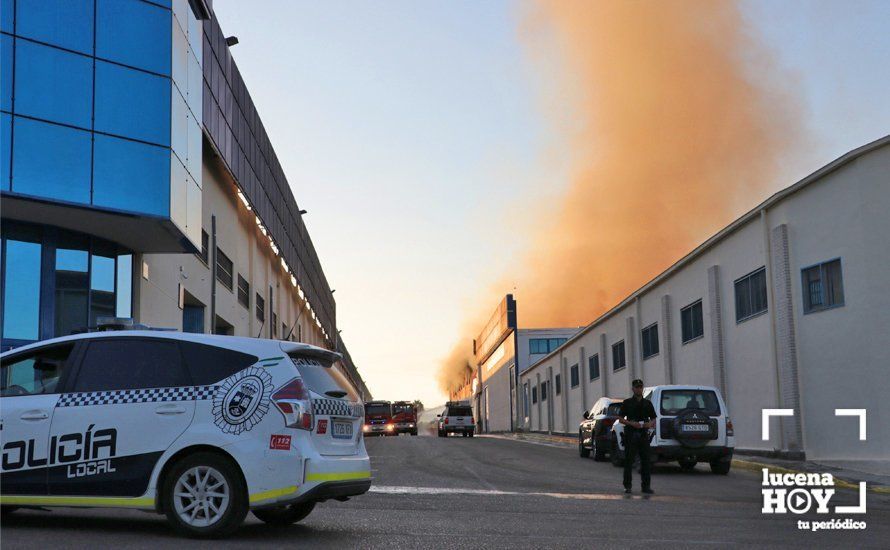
490, 493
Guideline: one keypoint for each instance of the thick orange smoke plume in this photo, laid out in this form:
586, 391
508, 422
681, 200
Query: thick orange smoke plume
678, 122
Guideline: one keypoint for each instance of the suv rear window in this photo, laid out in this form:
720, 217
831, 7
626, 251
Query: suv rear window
460, 411
674, 401
324, 379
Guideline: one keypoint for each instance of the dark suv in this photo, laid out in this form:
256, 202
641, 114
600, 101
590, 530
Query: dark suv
595, 430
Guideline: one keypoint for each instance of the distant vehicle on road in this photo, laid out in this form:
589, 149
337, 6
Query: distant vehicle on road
595, 431
693, 426
378, 418
404, 416
201, 428
457, 418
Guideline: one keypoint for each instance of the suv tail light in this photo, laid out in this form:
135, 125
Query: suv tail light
730, 431
446, 420
472, 420
292, 399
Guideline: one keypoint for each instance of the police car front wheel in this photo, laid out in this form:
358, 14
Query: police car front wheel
285, 515
204, 496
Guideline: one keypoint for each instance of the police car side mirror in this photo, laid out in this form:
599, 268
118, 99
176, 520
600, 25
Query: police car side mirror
438, 416
586, 415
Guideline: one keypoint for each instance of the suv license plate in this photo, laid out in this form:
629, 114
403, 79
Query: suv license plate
341, 430
695, 427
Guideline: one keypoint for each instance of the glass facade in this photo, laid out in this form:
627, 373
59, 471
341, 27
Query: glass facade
102, 104
57, 282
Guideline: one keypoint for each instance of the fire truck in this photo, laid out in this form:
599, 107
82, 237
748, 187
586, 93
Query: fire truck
378, 418
404, 416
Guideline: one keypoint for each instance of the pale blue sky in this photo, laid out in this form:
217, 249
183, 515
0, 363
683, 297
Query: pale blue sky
414, 134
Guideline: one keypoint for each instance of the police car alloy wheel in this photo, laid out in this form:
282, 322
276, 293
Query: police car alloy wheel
285, 515
204, 496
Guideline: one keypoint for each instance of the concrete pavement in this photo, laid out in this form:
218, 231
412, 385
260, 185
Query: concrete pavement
491, 493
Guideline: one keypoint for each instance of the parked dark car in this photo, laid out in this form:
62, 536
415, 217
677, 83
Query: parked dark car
595, 430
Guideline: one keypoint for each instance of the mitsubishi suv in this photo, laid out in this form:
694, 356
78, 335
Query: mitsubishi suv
693, 426
200, 428
457, 418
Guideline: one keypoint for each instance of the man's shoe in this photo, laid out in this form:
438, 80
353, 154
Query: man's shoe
627, 490
648, 491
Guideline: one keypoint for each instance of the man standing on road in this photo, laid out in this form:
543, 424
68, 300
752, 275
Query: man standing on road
637, 415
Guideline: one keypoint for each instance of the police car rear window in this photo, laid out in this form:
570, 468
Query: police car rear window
460, 411
210, 364
324, 379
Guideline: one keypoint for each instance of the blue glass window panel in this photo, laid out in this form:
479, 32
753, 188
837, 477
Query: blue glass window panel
102, 275
6, 17
5, 149
132, 103
53, 84
134, 33
71, 260
6, 72
21, 302
64, 23
51, 161
131, 176
124, 295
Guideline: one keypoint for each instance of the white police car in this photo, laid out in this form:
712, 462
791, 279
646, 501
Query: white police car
200, 428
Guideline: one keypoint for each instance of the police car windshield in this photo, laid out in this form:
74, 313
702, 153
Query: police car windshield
324, 379
674, 401
460, 411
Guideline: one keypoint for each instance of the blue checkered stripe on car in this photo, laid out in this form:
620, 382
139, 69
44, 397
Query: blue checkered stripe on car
119, 397
335, 407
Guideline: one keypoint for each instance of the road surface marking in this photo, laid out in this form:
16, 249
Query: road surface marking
405, 490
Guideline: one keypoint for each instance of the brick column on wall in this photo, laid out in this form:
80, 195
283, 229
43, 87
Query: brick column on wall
667, 339
786, 342
715, 308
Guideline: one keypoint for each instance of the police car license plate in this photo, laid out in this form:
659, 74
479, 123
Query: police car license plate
695, 427
341, 430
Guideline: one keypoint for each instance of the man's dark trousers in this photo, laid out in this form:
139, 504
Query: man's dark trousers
636, 442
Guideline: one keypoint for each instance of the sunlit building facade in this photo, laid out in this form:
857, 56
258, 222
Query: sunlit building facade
138, 181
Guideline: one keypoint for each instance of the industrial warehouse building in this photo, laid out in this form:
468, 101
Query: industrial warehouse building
499, 350
138, 181
787, 307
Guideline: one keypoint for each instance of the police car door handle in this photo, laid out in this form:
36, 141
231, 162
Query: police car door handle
34, 415
169, 409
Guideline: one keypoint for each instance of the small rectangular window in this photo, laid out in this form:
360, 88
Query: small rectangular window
224, 269
619, 360
558, 384
650, 340
575, 379
692, 325
534, 395
274, 321
260, 307
823, 286
750, 295
243, 292
593, 366
544, 391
